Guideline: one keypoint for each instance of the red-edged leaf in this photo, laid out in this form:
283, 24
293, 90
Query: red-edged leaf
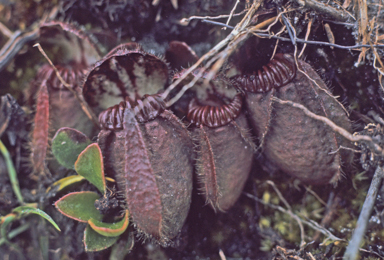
93, 241
79, 206
110, 229
90, 165
26, 210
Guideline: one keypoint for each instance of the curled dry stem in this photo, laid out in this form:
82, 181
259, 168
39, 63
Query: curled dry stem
371, 252
218, 57
380, 68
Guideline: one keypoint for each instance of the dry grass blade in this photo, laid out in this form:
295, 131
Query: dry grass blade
306, 37
294, 216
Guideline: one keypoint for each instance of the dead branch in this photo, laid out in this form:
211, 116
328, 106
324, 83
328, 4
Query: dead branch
232, 11
371, 252
185, 21
14, 45
264, 35
235, 32
18, 39
5, 31
338, 14
352, 251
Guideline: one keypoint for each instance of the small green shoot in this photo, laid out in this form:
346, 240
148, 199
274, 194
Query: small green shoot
13, 233
93, 241
74, 151
26, 210
18, 213
12, 173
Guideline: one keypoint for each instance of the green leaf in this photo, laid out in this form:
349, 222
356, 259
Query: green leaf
93, 241
90, 165
26, 210
13, 233
79, 206
11, 172
110, 229
5, 221
65, 182
67, 144
123, 247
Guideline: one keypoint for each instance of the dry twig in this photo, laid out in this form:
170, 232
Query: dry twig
18, 39
185, 21
85, 107
264, 35
306, 37
232, 11
352, 251
234, 34
289, 210
338, 14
